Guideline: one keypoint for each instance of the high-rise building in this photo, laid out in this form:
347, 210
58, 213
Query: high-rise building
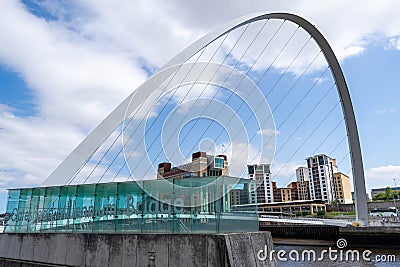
294, 186
303, 183
276, 193
202, 165
261, 191
342, 188
320, 170
235, 197
239, 196
286, 194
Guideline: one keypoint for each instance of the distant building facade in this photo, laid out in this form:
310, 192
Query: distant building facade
285, 194
235, 197
261, 191
202, 165
294, 186
320, 180
342, 188
303, 183
276, 193
320, 170
239, 196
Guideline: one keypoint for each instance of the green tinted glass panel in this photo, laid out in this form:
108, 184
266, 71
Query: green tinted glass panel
189, 205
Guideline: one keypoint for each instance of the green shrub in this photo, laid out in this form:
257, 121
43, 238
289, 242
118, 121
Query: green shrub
320, 213
305, 213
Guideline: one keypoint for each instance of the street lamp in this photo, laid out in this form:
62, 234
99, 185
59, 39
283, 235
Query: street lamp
394, 200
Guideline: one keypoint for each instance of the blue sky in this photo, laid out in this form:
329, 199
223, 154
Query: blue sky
64, 67
374, 77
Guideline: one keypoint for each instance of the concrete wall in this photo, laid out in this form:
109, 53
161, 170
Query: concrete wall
371, 206
382, 205
384, 237
342, 207
320, 232
135, 249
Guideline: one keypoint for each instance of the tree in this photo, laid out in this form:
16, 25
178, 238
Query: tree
320, 213
380, 196
389, 193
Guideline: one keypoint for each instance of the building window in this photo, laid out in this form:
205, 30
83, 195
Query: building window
321, 160
219, 163
251, 169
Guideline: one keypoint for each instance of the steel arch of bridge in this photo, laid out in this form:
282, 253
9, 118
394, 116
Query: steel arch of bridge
89, 145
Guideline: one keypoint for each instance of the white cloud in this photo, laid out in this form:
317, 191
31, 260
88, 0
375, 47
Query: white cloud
386, 110
394, 43
382, 176
241, 155
76, 83
352, 51
268, 132
284, 172
5, 109
320, 80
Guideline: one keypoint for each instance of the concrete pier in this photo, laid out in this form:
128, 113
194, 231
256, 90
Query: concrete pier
388, 237
74, 249
317, 232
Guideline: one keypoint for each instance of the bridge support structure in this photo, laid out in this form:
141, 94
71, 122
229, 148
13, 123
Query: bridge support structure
89, 145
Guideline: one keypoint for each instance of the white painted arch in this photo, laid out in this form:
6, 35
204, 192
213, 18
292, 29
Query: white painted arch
89, 145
